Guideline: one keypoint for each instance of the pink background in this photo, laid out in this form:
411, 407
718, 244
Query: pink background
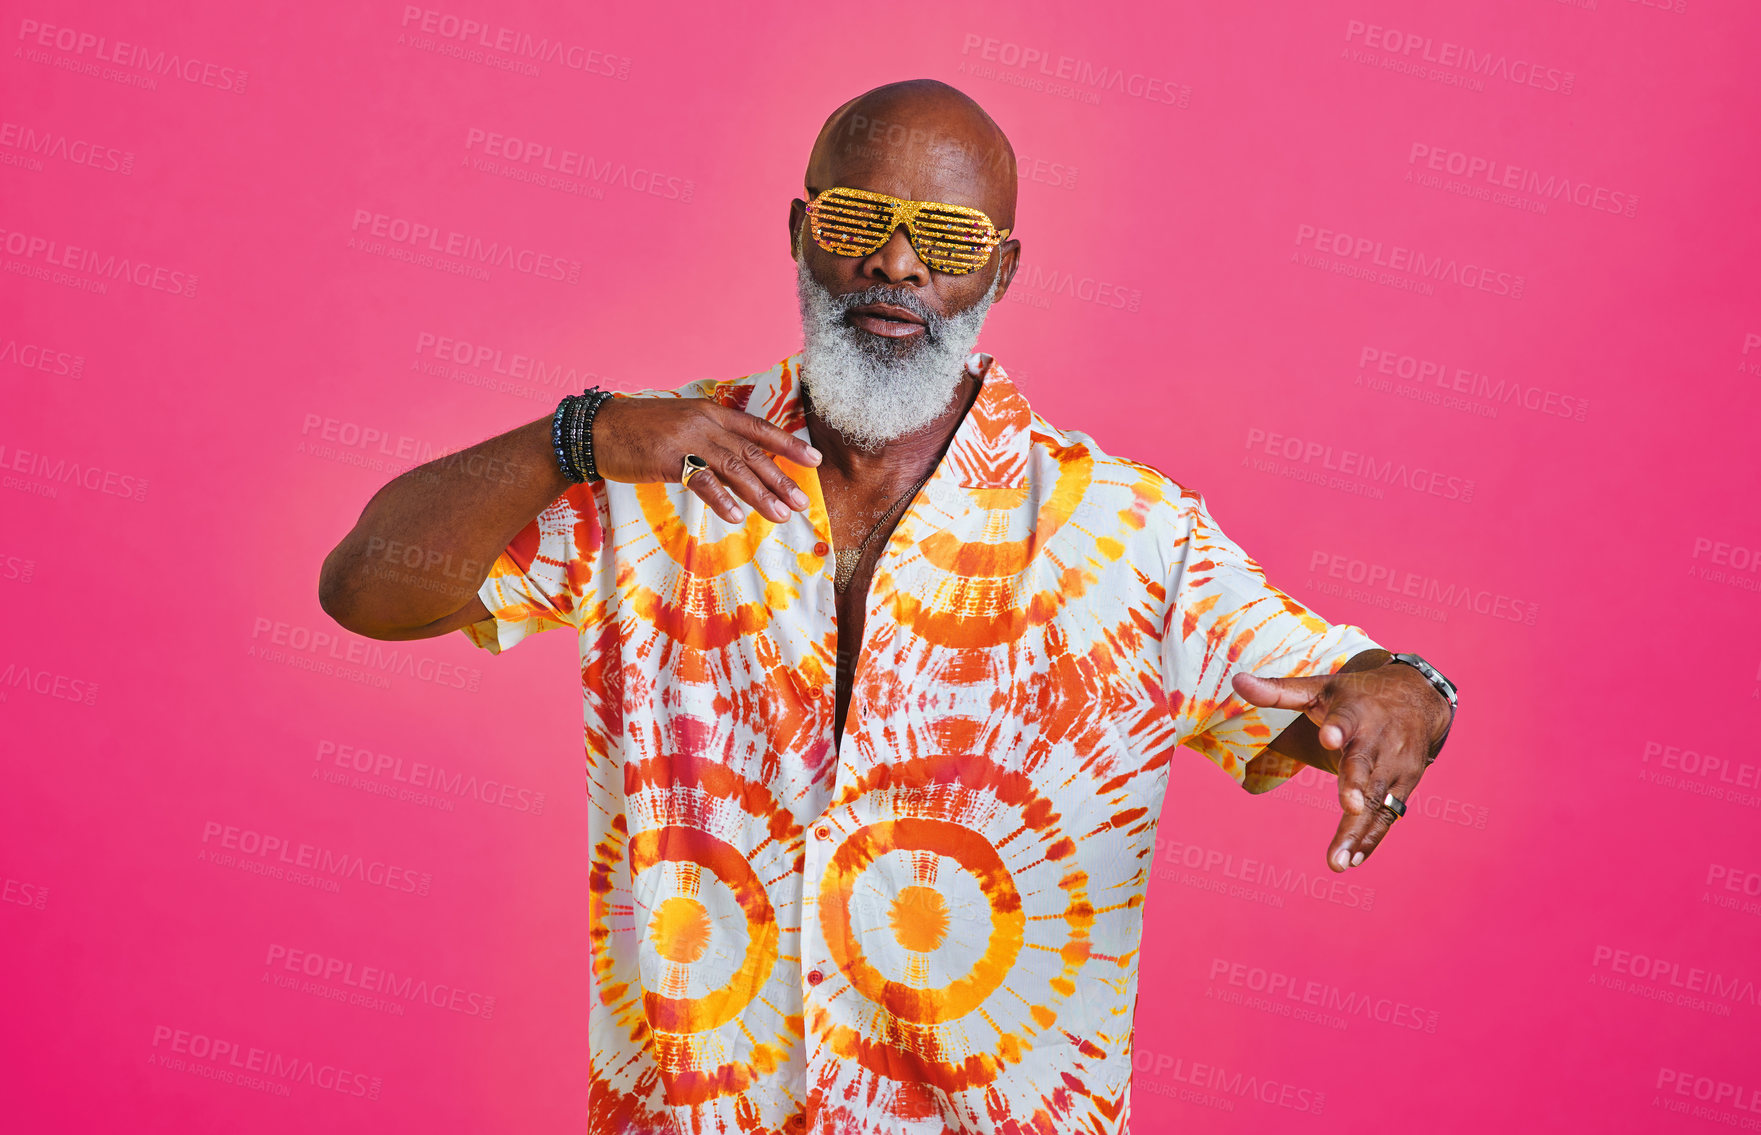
1563, 933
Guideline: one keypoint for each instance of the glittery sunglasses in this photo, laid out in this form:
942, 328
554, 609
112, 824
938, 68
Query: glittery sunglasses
949, 238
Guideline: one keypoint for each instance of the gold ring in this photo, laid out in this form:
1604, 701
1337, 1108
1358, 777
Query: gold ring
693, 466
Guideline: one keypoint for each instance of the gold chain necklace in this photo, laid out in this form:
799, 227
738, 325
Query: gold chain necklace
848, 559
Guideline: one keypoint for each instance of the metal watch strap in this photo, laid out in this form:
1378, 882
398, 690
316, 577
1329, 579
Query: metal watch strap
1432, 675
1439, 683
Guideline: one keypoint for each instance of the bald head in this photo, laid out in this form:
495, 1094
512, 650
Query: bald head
922, 140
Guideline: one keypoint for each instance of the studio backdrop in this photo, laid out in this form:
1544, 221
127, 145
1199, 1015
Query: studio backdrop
1450, 310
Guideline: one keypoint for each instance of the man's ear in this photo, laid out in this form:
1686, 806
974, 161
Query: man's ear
797, 221
1008, 259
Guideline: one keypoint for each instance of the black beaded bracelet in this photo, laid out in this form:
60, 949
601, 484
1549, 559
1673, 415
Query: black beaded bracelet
570, 473
591, 401
571, 434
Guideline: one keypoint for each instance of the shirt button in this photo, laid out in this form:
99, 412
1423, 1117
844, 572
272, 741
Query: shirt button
823, 831
821, 548
814, 977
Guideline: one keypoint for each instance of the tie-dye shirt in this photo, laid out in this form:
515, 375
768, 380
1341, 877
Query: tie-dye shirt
936, 924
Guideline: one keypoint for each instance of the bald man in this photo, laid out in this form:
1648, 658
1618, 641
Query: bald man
881, 676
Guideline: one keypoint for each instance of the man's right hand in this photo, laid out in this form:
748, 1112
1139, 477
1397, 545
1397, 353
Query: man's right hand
645, 440
412, 564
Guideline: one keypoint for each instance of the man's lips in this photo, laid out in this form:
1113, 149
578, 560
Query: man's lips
885, 319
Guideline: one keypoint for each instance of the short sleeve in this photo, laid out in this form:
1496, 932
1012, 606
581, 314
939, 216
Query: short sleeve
549, 575
1225, 619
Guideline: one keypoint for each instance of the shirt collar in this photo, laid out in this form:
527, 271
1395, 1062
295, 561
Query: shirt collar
989, 450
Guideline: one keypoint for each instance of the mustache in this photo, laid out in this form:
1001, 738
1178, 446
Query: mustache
897, 296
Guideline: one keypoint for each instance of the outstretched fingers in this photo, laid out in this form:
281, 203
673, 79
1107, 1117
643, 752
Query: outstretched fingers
773, 438
745, 462
743, 471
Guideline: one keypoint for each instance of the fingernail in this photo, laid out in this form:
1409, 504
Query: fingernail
799, 497
813, 455
1356, 859
1342, 857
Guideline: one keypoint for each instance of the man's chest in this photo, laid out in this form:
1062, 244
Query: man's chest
821, 687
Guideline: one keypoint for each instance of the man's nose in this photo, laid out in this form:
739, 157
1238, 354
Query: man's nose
896, 262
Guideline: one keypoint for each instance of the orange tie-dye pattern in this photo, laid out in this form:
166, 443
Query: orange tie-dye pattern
934, 926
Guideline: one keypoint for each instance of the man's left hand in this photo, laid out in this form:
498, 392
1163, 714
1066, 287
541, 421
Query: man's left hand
1377, 728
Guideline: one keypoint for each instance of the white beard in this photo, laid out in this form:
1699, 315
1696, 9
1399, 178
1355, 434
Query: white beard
872, 389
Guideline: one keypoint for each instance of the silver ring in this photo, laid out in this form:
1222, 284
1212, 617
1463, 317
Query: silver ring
693, 466
1398, 807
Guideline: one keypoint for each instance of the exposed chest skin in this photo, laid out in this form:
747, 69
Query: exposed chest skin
852, 513
863, 489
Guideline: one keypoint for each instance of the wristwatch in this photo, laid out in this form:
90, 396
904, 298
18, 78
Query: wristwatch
1432, 675
1442, 685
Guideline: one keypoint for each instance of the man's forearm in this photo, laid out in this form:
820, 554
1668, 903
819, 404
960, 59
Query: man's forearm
425, 542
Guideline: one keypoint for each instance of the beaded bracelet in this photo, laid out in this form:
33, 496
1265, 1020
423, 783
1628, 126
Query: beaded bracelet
582, 452
571, 434
556, 441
